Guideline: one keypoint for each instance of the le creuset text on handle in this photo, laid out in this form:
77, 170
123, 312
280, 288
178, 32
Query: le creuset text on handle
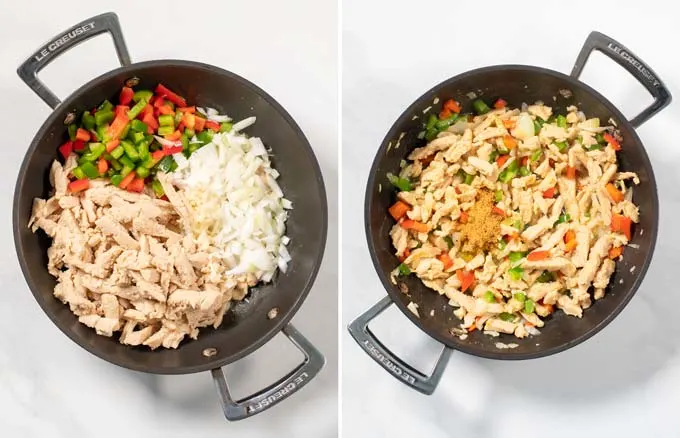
83, 31
390, 361
634, 65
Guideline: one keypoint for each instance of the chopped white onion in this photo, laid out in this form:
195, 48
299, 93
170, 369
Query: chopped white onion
237, 203
243, 124
167, 143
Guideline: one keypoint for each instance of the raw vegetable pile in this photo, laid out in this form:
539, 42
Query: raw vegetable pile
133, 140
513, 213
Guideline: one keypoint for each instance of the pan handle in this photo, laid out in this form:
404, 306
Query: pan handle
51, 50
388, 360
634, 65
273, 394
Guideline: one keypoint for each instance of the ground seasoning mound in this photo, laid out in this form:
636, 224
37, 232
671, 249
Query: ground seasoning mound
483, 225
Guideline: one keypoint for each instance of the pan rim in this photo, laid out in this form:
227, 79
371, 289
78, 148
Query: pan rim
315, 168
507, 354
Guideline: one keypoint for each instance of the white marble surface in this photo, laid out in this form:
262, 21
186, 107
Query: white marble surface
623, 382
50, 387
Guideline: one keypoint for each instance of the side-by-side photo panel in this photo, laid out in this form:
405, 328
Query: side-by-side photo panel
512, 204
174, 214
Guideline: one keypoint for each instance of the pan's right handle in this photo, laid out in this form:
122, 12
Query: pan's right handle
83, 31
388, 360
634, 65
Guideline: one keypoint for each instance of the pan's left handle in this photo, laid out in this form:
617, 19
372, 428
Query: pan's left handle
51, 50
402, 371
277, 392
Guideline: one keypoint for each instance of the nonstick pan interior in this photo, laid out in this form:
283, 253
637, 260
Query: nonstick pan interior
247, 325
517, 85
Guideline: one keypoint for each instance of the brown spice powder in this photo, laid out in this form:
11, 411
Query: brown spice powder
483, 225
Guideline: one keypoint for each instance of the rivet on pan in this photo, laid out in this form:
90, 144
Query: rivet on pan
273, 313
132, 82
70, 118
209, 352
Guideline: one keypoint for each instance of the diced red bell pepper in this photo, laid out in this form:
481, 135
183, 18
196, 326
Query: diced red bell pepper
121, 109
82, 134
66, 149
158, 102
174, 136
622, 224
187, 109
102, 166
79, 145
466, 278
452, 106
171, 150
127, 180
614, 143
78, 185
500, 104
118, 125
212, 125
189, 120
94, 136
446, 260
199, 123
550, 193
166, 110
157, 156
178, 100
126, 95
112, 145
148, 109
180, 127
137, 185
151, 122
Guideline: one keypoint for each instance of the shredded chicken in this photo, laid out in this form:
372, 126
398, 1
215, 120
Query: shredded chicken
123, 264
551, 196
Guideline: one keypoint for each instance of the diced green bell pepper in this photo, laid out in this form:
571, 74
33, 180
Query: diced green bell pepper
545, 277
519, 296
90, 170
562, 145
138, 126
538, 124
130, 150
536, 155
189, 132
498, 195
116, 179
225, 127
404, 270
103, 117
95, 151
157, 188
78, 173
115, 164
138, 137
403, 184
88, 120
529, 306
166, 130
118, 152
135, 110
126, 161
480, 106
516, 273
516, 256
142, 171
166, 120
524, 171
165, 165
505, 316
143, 150
103, 132
142, 95
561, 121
72, 129
489, 297
126, 170
105, 106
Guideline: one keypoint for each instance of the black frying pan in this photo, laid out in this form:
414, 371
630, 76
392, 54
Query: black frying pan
249, 324
516, 84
